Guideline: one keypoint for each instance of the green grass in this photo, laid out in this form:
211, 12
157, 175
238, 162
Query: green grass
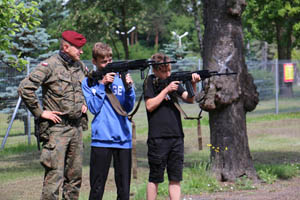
270, 173
18, 148
272, 155
197, 179
273, 117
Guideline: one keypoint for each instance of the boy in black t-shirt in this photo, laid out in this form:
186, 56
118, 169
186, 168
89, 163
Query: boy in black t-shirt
165, 135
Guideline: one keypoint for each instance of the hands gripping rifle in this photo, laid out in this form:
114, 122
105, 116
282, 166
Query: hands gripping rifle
186, 78
122, 68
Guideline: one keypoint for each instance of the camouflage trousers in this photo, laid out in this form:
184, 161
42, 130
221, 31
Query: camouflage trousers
62, 159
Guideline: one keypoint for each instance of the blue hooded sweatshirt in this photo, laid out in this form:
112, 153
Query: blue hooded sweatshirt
109, 129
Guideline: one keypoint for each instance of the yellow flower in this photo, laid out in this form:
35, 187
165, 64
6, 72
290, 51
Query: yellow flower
209, 145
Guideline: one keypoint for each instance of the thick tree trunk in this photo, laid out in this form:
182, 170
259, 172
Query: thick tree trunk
156, 38
284, 41
227, 98
136, 37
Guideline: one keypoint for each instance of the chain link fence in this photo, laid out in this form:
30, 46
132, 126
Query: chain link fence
266, 77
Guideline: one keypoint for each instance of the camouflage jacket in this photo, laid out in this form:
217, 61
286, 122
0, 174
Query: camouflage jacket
61, 87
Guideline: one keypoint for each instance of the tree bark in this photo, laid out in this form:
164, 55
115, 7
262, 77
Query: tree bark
132, 38
227, 98
156, 37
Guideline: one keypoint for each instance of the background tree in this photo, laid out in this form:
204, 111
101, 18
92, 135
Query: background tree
158, 15
227, 98
24, 41
100, 20
14, 15
276, 21
192, 11
53, 14
32, 46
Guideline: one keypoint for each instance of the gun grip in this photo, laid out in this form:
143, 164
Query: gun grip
189, 89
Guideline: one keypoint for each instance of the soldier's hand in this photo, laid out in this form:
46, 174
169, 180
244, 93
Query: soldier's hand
52, 115
108, 78
84, 109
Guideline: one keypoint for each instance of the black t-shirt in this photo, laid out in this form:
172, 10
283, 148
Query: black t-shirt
165, 120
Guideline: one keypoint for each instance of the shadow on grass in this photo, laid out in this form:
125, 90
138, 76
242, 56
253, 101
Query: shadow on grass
275, 157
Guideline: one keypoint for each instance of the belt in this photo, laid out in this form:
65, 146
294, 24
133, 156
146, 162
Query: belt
68, 121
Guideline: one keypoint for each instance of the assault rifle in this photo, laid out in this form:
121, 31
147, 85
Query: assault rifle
186, 78
122, 67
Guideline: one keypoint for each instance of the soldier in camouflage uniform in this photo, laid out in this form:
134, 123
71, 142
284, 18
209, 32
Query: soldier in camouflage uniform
62, 117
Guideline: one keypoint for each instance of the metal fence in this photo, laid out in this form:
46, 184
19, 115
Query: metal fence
266, 78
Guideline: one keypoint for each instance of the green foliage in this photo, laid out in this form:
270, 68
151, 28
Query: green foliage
53, 14
286, 171
99, 21
264, 20
174, 51
197, 179
15, 15
269, 173
87, 51
296, 56
181, 24
244, 183
138, 51
266, 175
158, 16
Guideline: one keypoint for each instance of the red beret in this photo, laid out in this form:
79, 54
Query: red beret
74, 38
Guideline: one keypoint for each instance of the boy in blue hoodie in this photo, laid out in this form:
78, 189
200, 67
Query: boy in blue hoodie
111, 132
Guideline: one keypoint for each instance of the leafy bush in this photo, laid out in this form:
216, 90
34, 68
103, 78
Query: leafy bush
138, 51
267, 176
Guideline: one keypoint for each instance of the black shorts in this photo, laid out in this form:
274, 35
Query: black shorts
162, 153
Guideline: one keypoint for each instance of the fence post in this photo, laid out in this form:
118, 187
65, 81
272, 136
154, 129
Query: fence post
276, 86
28, 112
11, 122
